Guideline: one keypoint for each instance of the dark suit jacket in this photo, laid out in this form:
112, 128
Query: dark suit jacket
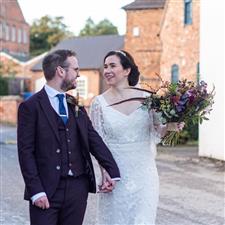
38, 140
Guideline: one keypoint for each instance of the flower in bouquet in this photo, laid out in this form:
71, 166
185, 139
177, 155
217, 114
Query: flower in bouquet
184, 101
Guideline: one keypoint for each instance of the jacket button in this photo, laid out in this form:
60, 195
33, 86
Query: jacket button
68, 140
67, 129
58, 167
70, 164
69, 152
58, 150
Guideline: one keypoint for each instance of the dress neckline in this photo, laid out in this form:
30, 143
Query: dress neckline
106, 104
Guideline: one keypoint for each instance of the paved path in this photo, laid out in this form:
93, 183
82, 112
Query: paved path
191, 188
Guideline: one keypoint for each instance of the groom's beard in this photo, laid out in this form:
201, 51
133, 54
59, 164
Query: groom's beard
68, 84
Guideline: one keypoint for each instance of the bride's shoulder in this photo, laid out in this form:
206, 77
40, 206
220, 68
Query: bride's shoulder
96, 101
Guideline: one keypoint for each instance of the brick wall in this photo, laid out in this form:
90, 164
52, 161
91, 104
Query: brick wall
93, 85
8, 109
180, 41
16, 39
164, 40
145, 47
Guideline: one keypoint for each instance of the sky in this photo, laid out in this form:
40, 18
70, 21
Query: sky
76, 12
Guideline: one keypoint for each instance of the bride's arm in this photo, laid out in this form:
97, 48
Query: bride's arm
96, 116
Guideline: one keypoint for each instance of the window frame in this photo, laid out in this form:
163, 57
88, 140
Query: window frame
188, 12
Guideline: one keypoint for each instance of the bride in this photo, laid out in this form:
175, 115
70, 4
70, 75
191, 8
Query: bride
131, 135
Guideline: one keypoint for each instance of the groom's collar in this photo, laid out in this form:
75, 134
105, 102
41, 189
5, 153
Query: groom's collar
51, 92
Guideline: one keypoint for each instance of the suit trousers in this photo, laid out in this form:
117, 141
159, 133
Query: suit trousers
67, 206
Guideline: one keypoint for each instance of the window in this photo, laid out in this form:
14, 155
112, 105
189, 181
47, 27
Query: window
19, 38
82, 87
136, 31
2, 9
175, 74
1, 31
6, 32
24, 36
198, 73
13, 34
187, 11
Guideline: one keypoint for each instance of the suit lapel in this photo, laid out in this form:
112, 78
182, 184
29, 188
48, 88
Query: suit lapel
47, 109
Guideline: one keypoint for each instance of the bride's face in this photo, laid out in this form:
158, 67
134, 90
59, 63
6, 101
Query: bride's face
113, 72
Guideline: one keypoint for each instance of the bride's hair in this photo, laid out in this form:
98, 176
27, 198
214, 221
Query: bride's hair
127, 61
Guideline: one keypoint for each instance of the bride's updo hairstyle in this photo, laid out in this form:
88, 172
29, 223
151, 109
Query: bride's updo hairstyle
127, 61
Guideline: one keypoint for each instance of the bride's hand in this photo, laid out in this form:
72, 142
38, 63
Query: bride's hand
107, 183
175, 126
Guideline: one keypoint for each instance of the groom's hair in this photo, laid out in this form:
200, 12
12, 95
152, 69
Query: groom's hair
55, 59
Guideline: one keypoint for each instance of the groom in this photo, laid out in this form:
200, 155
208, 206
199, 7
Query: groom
55, 140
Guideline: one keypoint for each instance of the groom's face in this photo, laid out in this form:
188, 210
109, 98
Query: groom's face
71, 74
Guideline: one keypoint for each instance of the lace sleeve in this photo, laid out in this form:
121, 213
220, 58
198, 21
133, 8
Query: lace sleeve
96, 117
155, 130
155, 134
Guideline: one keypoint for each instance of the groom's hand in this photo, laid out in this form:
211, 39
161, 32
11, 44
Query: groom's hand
107, 183
108, 186
42, 202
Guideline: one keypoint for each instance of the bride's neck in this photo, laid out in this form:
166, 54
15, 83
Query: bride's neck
120, 91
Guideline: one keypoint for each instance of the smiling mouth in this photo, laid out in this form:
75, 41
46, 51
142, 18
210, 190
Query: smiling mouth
109, 76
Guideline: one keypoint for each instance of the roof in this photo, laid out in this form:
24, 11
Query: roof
20, 59
11, 11
145, 4
90, 50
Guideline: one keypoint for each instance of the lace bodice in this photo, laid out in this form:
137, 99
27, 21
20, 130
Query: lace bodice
121, 128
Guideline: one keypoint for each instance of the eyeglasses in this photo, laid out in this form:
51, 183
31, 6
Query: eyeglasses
74, 69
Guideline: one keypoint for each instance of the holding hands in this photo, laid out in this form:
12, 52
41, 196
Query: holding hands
107, 183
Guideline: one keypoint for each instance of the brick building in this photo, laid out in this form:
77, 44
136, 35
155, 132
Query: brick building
163, 37
14, 30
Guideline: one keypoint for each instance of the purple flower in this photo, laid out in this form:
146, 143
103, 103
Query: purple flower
180, 108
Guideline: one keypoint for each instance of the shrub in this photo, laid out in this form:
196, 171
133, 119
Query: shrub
4, 88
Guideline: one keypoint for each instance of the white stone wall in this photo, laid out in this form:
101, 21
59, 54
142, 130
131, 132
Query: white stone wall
211, 135
39, 84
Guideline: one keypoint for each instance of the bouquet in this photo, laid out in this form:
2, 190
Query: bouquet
184, 101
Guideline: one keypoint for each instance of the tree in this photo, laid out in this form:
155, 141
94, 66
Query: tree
104, 27
7, 73
46, 33
8, 68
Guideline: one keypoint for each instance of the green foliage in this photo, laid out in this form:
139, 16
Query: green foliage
1, 68
104, 27
7, 68
45, 33
189, 133
172, 88
3, 86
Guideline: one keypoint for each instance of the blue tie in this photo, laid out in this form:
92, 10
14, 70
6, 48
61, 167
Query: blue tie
62, 110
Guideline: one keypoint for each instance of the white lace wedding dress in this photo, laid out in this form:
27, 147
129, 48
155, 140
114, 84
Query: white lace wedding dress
132, 141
